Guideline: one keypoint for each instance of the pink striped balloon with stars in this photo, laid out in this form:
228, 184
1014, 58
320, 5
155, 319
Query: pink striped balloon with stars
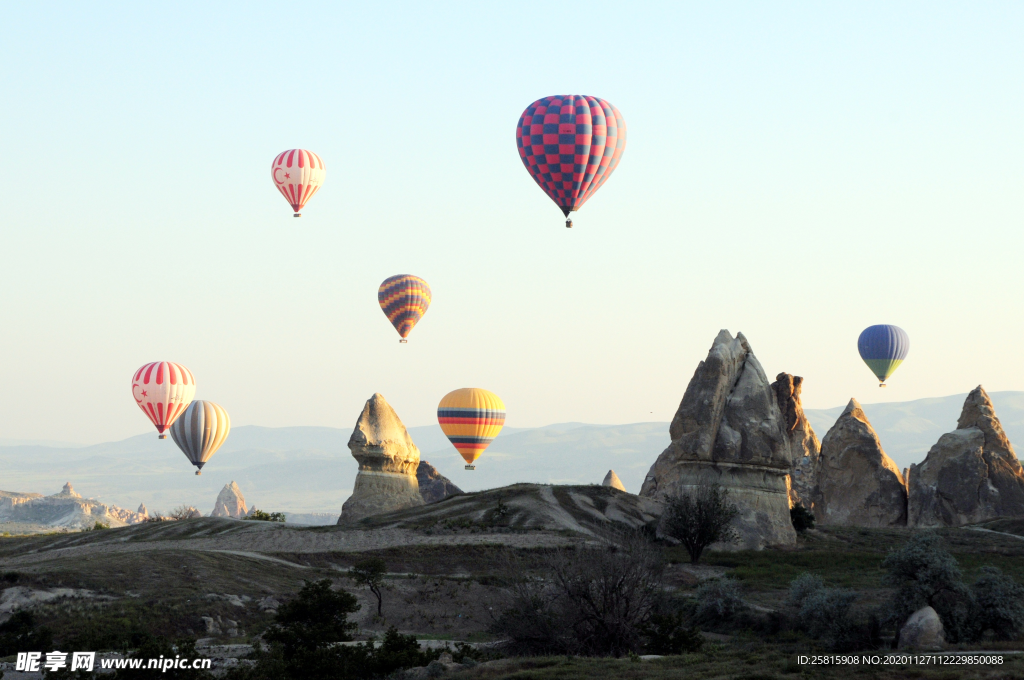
298, 174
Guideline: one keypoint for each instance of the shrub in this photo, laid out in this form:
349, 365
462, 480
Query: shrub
185, 512
700, 517
801, 587
998, 605
802, 518
719, 600
825, 613
99, 526
667, 634
923, 573
265, 516
10, 577
596, 602
20, 634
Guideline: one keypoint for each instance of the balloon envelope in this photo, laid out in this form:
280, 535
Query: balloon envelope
200, 431
163, 389
471, 418
883, 348
404, 299
570, 145
297, 174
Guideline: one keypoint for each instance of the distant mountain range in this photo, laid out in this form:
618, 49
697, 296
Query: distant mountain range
309, 469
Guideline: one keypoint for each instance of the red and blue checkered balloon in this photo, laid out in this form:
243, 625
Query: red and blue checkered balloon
570, 145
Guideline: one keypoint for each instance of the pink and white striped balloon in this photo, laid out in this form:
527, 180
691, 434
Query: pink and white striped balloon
163, 390
298, 174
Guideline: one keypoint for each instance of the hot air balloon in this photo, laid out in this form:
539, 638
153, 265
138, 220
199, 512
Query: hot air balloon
471, 418
163, 389
570, 145
298, 174
200, 431
883, 348
404, 299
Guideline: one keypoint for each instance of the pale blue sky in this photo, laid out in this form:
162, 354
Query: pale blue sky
795, 171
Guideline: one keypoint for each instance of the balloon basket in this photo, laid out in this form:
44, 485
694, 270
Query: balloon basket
881, 384
162, 436
403, 341
198, 472
470, 467
297, 215
568, 224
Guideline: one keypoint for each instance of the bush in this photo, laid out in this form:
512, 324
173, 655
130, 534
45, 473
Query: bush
801, 587
596, 602
185, 512
801, 517
668, 634
825, 613
10, 577
923, 574
998, 605
265, 516
719, 600
20, 634
700, 517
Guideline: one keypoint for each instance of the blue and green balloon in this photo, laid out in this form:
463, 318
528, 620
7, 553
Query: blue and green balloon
883, 348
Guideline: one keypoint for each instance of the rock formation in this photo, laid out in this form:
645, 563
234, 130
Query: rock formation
972, 474
388, 461
143, 511
433, 485
66, 509
611, 479
230, 503
729, 429
858, 484
804, 446
923, 631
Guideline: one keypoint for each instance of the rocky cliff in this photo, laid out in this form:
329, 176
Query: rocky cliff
858, 484
66, 509
230, 503
433, 485
971, 474
804, 446
729, 429
388, 460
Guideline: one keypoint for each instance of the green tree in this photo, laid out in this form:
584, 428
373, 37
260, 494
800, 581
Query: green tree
922, 573
20, 634
700, 517
265, 516
801, 517
314, 619
998, 605
370, 573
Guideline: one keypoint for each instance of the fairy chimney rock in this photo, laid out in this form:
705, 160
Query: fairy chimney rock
230, 503
971, 474
729, 430
388, 460
804, 446
611, 479
858, 484
69, 490
143, 511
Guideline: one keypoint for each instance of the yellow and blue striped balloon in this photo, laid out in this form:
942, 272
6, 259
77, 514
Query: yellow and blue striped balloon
404, 299
883, 348
471, 418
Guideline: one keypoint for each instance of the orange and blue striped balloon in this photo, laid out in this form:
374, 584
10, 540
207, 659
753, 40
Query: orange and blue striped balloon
471, 418
404, 299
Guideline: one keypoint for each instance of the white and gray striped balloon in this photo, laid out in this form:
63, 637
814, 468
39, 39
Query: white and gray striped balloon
200, 431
